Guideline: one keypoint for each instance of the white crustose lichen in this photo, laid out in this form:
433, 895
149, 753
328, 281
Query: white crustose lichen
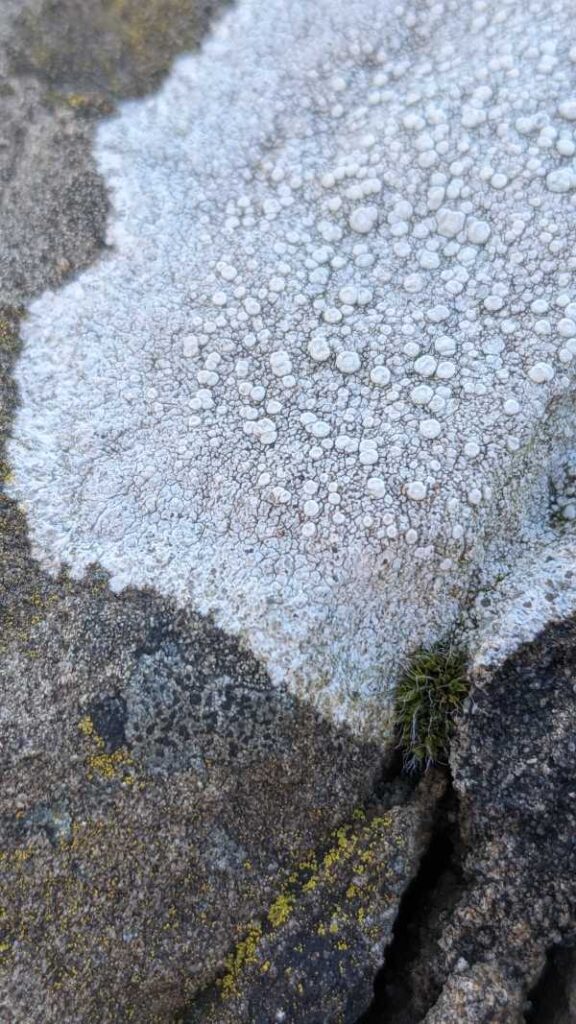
319, 382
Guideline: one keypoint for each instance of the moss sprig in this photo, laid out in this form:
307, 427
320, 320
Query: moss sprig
429, 697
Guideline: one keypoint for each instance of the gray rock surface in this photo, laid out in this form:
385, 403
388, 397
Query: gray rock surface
63, 64
154, 788
172, 826
513, 768
326, 934
321, 387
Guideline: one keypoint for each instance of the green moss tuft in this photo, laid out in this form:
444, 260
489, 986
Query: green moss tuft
428, 699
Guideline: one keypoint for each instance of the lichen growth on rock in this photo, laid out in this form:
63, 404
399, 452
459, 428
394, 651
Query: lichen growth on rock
307, 391
110, 766
350, 849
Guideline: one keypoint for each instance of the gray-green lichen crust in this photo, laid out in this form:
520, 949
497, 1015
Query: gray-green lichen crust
322, 384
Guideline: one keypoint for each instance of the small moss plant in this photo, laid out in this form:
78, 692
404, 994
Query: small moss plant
428, 698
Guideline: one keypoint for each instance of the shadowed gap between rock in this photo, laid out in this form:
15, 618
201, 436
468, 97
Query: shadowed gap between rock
405, 988
550, 1000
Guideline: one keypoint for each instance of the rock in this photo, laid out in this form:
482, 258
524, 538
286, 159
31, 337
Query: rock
571, 987
480, 995
362, 205
62, 65
55, 76
513, 770
555, 993
173, 781
156, 792
314, 956
138, 823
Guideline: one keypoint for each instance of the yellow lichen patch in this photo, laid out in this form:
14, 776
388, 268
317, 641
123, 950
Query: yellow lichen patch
21, 855
352, 848
89, 103
244, 954
19, 626
110, 766
86, 726
5, 950
82, 103
281, 910
171, 921
310, 864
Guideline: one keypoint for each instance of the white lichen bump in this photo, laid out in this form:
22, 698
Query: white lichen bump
320, 385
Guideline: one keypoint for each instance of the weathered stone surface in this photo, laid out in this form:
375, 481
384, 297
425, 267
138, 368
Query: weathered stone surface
141, 824
63, 64
322, 386
156, 790
158, 794
314, 957
514, 772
